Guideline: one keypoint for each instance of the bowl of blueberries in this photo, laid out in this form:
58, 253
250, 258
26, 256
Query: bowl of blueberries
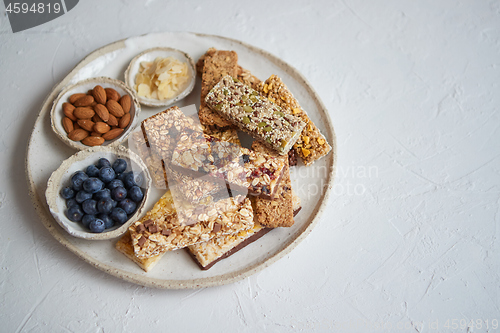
99, 192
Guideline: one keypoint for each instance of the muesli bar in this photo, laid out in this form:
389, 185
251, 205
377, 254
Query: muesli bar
242, 168
163, 229
255, 114
311, 145
124, 245
153, 163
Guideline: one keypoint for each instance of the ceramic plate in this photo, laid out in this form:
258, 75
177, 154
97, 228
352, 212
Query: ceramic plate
177, 270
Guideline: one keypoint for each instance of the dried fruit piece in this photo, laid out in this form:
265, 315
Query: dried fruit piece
102, 112
114, 108
99, 94
86, 100
126, 103
93, 141
73, 98
112, 134
112, 94
124, 121
67, 124
101, 127
78, 134
83, 113
68, 111
86, 124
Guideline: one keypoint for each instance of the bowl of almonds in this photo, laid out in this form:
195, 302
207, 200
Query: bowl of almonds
98, 111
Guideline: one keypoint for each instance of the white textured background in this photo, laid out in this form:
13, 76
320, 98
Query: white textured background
410, 239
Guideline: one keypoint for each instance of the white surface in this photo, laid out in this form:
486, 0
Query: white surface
410, 237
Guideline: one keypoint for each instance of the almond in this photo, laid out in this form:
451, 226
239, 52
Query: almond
99, 94
67, 124
72, 99
112, 121
126, 103
78, 134
102, 112
112, 94
115, 132
124, 121
86, 124
76, 126
68, 111
101, 127
96, 118
93, 141
95, 134
83, 113
84, 101
114, 108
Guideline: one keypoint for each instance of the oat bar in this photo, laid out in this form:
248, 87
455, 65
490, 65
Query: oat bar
243, 169
124, 245
245, 76
255, 114
153, 162
311, 145
277, 212
164, 229
216, 64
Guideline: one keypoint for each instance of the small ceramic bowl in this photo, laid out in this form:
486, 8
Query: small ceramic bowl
79, 162
151, 55
57, 115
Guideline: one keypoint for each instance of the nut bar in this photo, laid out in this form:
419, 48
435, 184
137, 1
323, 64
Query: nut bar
311, 144
255, 114
209, 253
124, 245
277, 212
241, 168
215, 64
164, 229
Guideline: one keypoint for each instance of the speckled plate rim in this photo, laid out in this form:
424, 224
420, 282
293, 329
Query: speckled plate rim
228, 278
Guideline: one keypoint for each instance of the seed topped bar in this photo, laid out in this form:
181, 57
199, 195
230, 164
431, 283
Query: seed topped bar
311, 144
163, 229
255, 114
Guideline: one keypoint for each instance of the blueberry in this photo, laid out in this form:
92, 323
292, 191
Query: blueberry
120, 176
92, 171
97, 226
77, 180
120, 165
107, 174
105, 193
118, 193
92, 185
67, 193
108, 221
74, 213
90, 206
71, 202
115, 183
128, 206
118, 215
129, 179
105, 206
135, 193
87, 218
82, 195
103, 162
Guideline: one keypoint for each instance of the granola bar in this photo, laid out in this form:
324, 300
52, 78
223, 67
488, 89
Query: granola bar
216, 64
164, 229
245, 76
241, 168
255, 114
153, 162
311, 145
277, 212
124, 245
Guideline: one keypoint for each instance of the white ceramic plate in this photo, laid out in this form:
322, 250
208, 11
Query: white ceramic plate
176, 269
79, 162
151, 55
